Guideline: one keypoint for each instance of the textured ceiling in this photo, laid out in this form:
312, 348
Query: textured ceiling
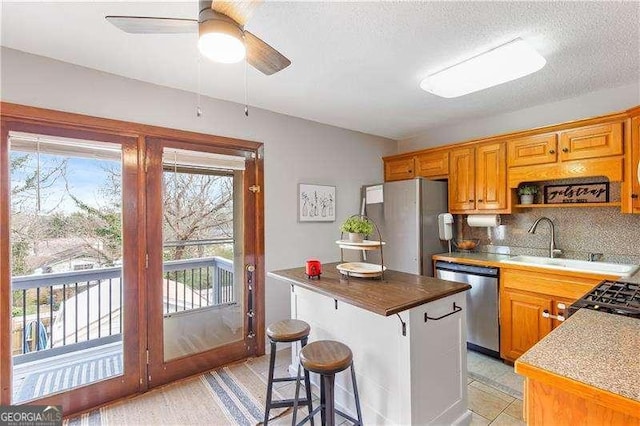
355, 65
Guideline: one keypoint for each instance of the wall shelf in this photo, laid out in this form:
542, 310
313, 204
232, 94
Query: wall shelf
537, 206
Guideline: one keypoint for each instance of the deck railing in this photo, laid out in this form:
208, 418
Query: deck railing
63, 312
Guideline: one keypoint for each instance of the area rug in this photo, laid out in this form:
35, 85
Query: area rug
494, 373
230, 395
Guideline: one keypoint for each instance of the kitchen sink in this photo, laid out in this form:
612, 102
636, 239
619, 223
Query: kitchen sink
618, 269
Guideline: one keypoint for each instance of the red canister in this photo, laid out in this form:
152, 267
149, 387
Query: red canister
313, 268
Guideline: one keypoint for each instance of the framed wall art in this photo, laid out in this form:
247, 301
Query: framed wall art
316, 203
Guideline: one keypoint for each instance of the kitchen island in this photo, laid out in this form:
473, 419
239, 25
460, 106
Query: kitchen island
408, 338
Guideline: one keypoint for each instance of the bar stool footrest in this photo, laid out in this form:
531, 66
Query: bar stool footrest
284, 379
348, 417
310, 415
288, 403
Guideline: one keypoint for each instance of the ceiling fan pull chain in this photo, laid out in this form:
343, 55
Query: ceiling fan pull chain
198, 109
246, 87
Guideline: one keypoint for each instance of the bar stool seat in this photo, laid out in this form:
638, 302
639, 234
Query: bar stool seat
327, 358
286, 331
290, 330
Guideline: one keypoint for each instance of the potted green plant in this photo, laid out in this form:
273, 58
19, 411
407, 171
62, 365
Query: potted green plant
527, 193
357, 227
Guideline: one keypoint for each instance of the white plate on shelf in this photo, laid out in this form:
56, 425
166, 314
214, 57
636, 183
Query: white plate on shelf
361, 269
364, 245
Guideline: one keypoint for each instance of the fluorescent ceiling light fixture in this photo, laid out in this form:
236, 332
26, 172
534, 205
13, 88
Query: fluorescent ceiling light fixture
221, 41
504, 63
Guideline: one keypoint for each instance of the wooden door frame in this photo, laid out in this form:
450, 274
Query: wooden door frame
96, 393
78, 124
161, 371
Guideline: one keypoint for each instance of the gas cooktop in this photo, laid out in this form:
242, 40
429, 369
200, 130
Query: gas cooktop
613, 297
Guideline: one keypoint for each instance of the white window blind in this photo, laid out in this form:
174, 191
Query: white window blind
201, 160
54, 145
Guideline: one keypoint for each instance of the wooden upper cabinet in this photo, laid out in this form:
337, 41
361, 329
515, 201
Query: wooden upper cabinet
635, 165
462, 179
591, 142
478, 178
433, 164
399, 168
491, 176
530, 150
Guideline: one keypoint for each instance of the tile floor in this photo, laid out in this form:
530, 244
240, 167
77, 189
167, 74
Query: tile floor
489, 406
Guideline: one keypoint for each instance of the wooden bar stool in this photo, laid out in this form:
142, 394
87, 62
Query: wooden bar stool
285, 332
327, 357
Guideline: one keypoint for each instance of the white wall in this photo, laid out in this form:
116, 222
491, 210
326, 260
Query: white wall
296, 150
588, 105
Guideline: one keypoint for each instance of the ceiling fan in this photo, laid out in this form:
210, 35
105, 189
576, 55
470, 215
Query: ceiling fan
222, 37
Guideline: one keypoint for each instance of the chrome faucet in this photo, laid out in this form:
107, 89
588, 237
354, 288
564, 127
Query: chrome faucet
553, 250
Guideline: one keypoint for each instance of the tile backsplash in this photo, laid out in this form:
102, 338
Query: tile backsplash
579, 231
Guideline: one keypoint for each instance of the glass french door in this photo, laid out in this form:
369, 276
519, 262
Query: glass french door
71, 216
200, 292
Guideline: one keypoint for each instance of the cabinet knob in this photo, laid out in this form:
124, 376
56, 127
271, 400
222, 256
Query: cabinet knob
481, 201
552, 151
471, 201
634, 196
565, 149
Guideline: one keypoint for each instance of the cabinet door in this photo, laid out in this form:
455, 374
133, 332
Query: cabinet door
538, 149
491, 176
522, 323
433, 164
398, 168
635, 164
591, 142
461, 180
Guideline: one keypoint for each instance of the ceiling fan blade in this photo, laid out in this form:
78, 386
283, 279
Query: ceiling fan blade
238, 10
149, 25
263, 57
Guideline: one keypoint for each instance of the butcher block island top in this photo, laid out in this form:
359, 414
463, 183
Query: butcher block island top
398, 291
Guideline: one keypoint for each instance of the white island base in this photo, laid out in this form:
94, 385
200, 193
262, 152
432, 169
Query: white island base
417, 378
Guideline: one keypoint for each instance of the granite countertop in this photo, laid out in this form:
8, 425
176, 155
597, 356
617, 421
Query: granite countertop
398, 291
595, 348
474, 258
492, 259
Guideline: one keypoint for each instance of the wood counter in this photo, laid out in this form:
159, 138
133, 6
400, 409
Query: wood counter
398, 291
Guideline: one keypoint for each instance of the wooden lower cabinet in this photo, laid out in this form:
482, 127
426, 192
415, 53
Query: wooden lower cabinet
532, 303
522, 323
554, 400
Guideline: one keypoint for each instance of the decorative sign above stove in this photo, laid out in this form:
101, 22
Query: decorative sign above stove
597, 192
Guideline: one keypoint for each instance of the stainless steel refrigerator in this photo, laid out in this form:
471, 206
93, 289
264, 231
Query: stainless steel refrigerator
407, 214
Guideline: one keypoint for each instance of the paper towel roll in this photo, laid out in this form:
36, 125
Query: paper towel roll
483, 220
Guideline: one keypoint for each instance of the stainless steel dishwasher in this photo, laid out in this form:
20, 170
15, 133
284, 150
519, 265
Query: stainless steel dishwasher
483, 331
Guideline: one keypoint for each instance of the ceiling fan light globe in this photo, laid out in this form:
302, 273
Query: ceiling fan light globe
220, 47
221, 40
